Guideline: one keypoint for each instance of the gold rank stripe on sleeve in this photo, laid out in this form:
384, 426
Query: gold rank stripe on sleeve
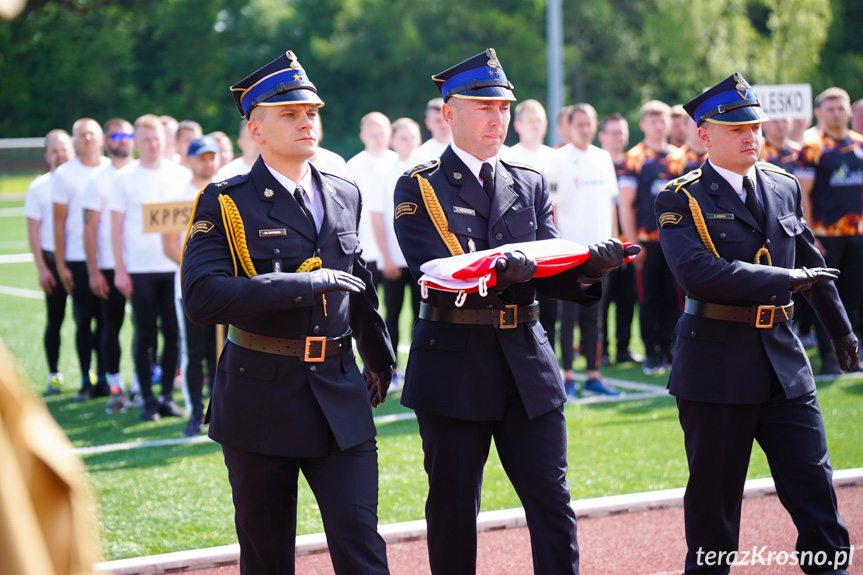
201, 227
405, 208
670, 218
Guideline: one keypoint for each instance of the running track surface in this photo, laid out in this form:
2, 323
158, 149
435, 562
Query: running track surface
643, 543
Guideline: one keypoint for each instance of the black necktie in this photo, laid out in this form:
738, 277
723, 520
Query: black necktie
752, 202
298, 194
487, 179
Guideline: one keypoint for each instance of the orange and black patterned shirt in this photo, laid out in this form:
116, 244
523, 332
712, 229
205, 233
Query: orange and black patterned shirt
647, 171
683, 160
785, 158
837, 193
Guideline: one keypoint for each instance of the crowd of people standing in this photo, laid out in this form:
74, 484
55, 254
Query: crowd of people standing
86, 232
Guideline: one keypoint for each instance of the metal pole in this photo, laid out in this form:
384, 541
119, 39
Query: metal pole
554, 39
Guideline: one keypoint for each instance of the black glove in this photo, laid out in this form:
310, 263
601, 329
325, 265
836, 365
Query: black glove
378, 382
517, 267
325, 280
803, 278
845, 349
605, 257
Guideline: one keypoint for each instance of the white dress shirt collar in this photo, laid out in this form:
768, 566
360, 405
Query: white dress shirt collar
473, 163
735, 180
312, 195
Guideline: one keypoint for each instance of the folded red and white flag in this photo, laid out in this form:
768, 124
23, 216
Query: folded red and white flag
475, 271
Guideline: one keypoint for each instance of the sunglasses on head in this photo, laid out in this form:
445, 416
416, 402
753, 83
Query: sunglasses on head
122, 137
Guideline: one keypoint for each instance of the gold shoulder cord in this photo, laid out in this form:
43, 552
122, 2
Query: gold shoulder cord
237, 240
437, 216
236, 235
697, 216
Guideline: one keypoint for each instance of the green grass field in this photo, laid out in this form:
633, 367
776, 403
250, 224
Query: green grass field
171, 498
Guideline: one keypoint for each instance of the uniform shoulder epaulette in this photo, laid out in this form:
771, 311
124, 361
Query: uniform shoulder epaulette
676, 184
423, 167
338, 177
768, 167
512, 164
225, 185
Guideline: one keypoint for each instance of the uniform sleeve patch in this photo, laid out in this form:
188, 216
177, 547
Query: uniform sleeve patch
202, 227
669, 218
406, 208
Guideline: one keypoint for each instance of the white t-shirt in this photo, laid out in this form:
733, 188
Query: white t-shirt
38, 206
330, 162
235, 167
67, 188
429, 150
586, 185
136, 186
371, 175
95, 198
186, 192
387, 208
540, 159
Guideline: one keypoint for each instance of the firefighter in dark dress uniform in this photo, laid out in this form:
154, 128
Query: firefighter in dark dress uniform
734, 236
274, 253
485, 370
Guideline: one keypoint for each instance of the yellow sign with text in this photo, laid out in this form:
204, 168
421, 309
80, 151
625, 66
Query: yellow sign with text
167, 217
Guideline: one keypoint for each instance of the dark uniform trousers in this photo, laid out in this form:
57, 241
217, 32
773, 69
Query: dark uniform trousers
736, 383
470, 384
277, 415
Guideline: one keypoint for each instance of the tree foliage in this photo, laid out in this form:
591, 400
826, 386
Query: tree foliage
60, 60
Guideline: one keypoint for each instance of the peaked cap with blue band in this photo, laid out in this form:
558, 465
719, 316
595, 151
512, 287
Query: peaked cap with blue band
283, 81
478, 78
731, 101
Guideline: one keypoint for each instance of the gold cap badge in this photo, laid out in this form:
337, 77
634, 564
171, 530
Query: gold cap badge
492, 58
739, 79
295, 64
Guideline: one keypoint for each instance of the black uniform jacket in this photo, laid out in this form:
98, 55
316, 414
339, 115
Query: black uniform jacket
464, 371
728, 362
276, 404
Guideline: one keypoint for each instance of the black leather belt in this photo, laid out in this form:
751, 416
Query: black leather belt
506, 318
310, 349
762, 316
